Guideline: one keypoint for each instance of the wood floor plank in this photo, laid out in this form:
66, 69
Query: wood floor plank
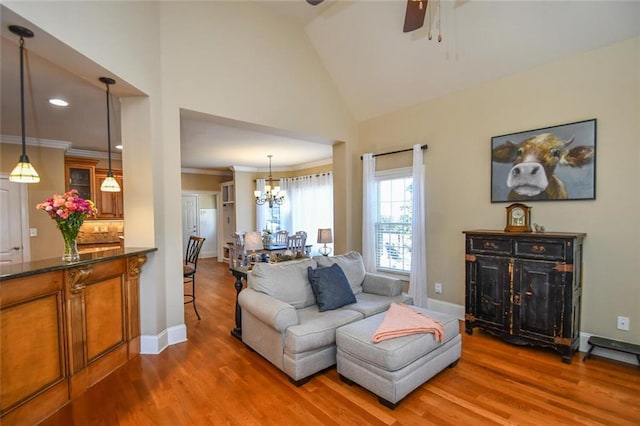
214, 379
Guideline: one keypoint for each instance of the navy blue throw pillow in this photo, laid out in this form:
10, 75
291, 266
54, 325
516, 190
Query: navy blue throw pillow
330, 287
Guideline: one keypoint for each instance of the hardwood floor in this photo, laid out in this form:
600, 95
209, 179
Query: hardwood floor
213, 379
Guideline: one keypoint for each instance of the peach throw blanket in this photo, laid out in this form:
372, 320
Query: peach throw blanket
401, 320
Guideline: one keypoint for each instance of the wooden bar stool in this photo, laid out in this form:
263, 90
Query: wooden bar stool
189, 269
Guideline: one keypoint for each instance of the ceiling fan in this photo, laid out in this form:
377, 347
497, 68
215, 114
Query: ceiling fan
413, 18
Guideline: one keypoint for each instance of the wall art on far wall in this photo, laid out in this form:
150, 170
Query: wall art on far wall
552, 163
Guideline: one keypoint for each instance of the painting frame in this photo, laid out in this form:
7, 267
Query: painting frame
560, 164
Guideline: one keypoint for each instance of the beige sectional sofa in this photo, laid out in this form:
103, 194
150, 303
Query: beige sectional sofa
282, 321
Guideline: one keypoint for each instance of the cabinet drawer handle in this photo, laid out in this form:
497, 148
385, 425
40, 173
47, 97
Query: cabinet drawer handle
490, 245
528, 293
538, 249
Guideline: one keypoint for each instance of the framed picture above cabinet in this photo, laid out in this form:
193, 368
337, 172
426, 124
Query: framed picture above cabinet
555, 163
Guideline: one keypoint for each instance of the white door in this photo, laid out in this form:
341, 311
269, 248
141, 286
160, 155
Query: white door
190, 224
11, 221
208, 230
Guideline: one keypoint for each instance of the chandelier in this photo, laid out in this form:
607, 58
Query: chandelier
272, 194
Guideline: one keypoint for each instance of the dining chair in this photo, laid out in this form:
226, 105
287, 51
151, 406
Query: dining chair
189, 269
238, 255
303, 234
281, 237
296, 243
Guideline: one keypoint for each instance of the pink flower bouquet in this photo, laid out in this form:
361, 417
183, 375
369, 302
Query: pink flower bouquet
69, 211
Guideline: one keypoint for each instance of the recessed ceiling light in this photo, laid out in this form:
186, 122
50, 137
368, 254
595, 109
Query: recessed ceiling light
58, 102
119, 147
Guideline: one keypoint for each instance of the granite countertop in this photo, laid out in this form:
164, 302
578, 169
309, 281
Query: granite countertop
18, 270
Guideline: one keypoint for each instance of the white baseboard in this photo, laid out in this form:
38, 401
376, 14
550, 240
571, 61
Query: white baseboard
153, 345
458, 312
447, 308
207, 254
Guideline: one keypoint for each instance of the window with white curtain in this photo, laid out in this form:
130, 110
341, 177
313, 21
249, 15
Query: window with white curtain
393, 222
308, 206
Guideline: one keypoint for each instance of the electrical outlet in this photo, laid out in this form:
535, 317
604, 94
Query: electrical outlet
33, 232
623, 323
438, 288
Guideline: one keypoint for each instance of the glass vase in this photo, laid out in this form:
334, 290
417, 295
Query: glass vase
70, 247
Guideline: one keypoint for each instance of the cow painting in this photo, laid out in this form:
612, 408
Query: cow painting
540, 166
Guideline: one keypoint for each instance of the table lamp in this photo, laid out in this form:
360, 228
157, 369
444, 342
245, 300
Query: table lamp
324, 237
253, 242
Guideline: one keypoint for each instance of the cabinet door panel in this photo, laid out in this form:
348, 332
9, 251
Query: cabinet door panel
32, 358
539, 296
492, 281
105, 312
109, 204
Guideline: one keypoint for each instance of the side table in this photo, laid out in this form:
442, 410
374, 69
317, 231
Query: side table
240, 273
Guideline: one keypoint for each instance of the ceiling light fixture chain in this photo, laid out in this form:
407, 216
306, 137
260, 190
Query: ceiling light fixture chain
272, 194
24, 171
439, 25
110, 184
429, 7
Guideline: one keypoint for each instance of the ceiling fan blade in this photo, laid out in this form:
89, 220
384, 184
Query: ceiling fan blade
314, 2
414, 18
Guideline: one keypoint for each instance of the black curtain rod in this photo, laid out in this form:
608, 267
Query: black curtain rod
423, 147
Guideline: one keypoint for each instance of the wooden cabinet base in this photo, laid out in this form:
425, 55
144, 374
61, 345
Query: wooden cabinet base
98, 370
40, 407
64, 330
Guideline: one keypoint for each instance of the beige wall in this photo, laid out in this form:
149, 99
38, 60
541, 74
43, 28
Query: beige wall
195, 182
602, 84
49, 163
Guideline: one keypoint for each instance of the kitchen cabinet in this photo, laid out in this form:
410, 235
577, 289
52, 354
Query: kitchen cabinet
525, 287
109, 204
80, 174
65, 327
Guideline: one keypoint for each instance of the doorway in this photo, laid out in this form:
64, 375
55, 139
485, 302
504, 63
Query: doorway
200, 217
14, 235
190, 225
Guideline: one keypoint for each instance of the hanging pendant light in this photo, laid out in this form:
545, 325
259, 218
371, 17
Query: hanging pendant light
24, 171
273, 194
110, 184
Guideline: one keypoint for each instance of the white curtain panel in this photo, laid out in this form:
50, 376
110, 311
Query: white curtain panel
418, 277
369, 211
308, 205
262, 213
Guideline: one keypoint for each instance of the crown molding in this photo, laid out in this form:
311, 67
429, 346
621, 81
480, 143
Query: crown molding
205, 172
30, 141
243, 169
303, 166
85, 153
56, 144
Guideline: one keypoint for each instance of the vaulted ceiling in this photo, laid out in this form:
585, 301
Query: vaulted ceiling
376, 67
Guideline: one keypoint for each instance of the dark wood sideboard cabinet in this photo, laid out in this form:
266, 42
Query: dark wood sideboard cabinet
525, 287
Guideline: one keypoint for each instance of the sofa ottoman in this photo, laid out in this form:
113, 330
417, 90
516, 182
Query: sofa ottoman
392, 368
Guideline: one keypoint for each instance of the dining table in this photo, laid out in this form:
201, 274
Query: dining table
269, 249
